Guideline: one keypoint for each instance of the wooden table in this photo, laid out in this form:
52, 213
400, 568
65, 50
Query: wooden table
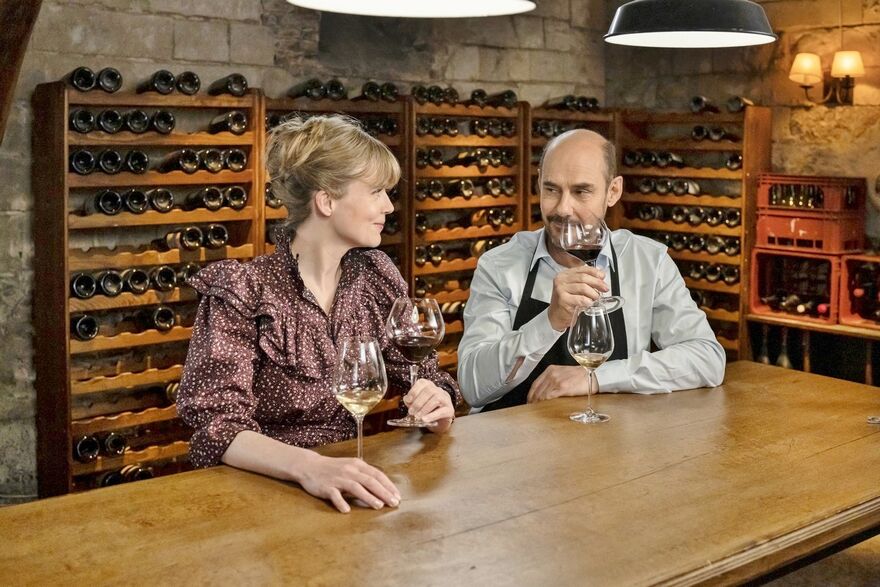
700, 486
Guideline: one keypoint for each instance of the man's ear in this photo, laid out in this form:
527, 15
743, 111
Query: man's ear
323, 203
615, 190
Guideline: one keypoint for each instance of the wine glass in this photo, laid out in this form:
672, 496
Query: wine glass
415, 326
584, 240
590, 342
359, 380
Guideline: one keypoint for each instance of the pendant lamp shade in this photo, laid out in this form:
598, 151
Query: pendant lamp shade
420, 8
690, 24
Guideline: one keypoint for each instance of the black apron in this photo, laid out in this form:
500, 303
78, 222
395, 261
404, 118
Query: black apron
558, 353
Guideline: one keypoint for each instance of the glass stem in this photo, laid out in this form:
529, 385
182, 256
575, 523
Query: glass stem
360, 428
589, 391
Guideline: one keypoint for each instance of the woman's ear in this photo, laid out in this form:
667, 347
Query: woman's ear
323, 203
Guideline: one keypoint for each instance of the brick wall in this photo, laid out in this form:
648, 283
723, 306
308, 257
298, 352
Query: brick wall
820, 140
554, 50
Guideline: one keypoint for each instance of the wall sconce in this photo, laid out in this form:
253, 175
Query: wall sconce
806, 71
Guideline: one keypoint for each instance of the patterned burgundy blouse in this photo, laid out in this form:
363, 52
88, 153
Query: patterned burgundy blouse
262, 351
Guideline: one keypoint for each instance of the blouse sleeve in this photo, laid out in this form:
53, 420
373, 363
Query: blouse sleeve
216, 396
388, 284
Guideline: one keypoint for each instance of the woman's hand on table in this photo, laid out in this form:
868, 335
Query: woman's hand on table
334, 478
431, 403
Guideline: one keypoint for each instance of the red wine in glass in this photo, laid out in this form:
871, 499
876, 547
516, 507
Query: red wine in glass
586, 253
415, 349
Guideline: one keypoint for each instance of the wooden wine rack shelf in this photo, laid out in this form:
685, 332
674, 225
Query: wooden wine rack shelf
126, 380
130, 140
105, 423
129, 300
716, 286
153, 453
130, 340
466, 141
458, 295
686, 172
156, 178
447, 203
673, 200
99, 259
705, 257
669, 226
152, 217
472, 232
469, 171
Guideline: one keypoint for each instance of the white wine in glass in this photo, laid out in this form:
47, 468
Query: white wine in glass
591, 343
359, 380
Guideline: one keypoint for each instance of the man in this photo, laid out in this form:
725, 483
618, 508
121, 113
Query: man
524, 294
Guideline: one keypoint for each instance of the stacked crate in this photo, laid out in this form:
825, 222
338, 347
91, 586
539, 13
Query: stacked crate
805, 227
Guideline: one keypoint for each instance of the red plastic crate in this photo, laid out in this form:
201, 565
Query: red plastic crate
773, 271
849, 265
820, 232
834, 191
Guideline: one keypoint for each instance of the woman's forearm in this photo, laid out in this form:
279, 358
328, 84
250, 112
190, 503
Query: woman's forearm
256, 452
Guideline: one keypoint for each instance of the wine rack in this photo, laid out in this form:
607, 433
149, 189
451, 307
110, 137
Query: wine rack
668, 160
122, 380
468, 196
545, 123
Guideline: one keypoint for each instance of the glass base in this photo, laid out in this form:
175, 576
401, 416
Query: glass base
610, 303
410, 422
588, 417
873, 419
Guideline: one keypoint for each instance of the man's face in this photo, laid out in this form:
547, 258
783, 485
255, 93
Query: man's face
572, 184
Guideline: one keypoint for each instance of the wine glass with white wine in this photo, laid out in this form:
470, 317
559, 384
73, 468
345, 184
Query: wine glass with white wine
359, 380
590, 342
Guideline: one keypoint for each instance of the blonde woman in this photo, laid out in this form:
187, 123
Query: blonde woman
257, 385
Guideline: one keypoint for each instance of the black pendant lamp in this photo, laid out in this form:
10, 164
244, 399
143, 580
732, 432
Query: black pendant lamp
420, 8
690, 24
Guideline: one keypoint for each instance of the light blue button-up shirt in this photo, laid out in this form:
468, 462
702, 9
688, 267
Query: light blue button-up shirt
493, 358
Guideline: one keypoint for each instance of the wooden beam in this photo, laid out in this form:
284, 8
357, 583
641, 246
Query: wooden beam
18, 18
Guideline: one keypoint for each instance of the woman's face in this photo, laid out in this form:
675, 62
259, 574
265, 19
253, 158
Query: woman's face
359, 215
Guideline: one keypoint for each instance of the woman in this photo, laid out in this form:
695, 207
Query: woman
257, 385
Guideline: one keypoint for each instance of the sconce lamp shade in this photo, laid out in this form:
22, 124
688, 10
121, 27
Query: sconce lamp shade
806, 69
420, 8
690, 24
847, 63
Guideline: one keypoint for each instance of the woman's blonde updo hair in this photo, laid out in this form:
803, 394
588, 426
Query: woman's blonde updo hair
325, 153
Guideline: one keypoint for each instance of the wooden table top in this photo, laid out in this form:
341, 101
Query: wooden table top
706, 485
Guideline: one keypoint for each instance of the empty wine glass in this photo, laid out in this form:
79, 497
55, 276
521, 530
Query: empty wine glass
359, 380
584, 240
590, 342
415, 326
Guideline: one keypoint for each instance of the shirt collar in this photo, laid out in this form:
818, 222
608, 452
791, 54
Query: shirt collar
605, 258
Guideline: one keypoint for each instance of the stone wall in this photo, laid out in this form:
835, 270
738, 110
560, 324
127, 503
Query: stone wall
820, 140
554, 50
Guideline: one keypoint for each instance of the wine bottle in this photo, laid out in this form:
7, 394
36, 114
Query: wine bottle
136, 162
161, 200
188, 83
135, 281
137, 122
588, 104
234, 159
648, 212
700, 104
665, 159
437, 127
234, 84
509, 216
632, 158
114, 444
731, 246
216, 236
235, 197
110, 283
696, 243
83, 286
86, 449
738, 103
310, 88
211, 160
714, 244
272, 200
734, 162
506, 99
647, 185
185, 271
82, 79
436, 95
161, 81
335, 90
136, 473
421, 223
163, 278
479, 98
714, 216
135, 201
450, 127
208, 197
663, 185
789, 303
699, 132
424, 126
460, 187
84, 327
110, 478
389, 93
82, 162
435, 253
189, 238
185, 160
370, 91
696, 215
508, 186
782, 360
107, 202
763, 356
679, 214
681, 187
713, 273
773, 301
697, 271
648, 158
110, 161
732, 217
421, 256
160, 318
234, 121
82, 121
730, 274
566, 102
419, 93
162, 122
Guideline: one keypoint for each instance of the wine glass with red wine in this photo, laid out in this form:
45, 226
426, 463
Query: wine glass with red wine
415, 326
584, 240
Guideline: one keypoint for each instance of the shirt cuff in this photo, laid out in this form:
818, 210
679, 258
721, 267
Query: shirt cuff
613, 377
537, 335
